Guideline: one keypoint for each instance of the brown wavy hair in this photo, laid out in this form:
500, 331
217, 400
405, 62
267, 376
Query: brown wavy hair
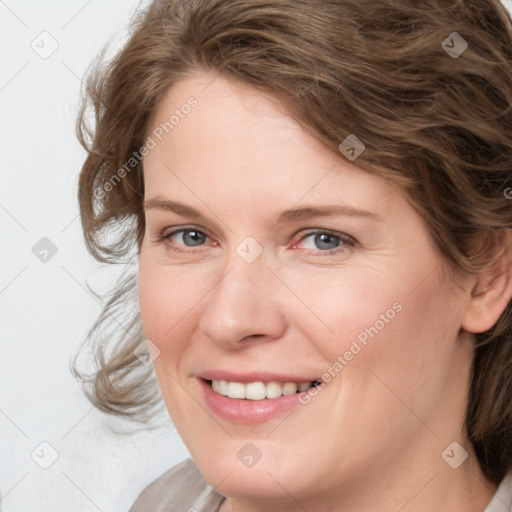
439, 125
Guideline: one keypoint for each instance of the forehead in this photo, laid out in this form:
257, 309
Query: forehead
239, 141
228, 115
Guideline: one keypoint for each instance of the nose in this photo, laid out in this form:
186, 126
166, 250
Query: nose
245, 304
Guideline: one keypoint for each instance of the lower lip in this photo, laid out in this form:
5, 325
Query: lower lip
247, 411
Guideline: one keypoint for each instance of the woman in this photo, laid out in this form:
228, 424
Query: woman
316, 191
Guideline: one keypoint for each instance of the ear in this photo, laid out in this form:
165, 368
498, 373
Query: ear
492, 289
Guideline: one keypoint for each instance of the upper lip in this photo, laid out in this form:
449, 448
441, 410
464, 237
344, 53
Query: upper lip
254, 376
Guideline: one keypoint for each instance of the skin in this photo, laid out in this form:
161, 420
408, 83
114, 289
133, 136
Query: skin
372, 438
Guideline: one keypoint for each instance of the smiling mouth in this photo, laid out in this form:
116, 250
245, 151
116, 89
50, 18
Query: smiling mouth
259, 390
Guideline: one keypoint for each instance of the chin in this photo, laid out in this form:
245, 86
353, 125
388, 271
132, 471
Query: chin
266, 479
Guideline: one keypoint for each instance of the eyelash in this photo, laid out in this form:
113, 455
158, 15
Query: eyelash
345, 240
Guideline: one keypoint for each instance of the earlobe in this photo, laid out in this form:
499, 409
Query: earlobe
492, 291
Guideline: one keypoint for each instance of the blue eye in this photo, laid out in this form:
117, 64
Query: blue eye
186, 237
324, 243
191, 237
316, 243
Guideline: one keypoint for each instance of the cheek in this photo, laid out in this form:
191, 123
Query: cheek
167, 301
399, 320
167, 307
337, 310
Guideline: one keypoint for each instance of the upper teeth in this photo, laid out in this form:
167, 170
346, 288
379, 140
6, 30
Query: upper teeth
258, 390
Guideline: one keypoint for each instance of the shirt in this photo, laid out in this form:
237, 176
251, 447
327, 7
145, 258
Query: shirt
183, 489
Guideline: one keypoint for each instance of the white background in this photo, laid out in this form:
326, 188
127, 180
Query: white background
45, 308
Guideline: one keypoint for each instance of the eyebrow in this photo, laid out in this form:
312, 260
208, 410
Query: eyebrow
290, 215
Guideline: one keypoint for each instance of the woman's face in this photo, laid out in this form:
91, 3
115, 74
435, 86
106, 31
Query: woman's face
287, 263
